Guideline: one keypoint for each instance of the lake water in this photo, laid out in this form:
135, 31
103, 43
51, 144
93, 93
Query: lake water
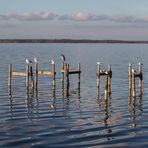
78, 120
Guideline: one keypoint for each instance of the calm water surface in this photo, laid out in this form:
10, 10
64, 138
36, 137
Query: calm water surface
74, 121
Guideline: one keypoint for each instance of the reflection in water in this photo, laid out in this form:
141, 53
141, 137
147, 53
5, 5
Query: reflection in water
105, 112
32, 106
132, 108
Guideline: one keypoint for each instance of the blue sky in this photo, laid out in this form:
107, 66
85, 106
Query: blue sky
76, 19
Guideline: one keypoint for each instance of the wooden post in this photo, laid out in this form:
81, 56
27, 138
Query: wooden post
106, 88
9, 80
67, 79
31, 76
36, 77
62, 78
140, 79
79, 78
53, 75
129, 80
109, 79
27, 80
98, 79
133, 84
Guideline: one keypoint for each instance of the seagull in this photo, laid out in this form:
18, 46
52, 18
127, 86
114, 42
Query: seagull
52, 61
27, 61
106, 72
63, 57
140, 64
99, 63
133, 71
35, 60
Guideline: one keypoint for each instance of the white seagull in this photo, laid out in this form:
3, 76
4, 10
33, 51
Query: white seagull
133, 71
35, 60
52, 61
99, 63
27, 61
63, 57
140, 64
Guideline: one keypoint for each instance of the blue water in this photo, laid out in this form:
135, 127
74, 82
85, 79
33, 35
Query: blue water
78, 120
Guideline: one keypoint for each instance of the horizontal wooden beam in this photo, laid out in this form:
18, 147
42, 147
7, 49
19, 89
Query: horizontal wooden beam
18, 74
46, 73
74, 72
71, 71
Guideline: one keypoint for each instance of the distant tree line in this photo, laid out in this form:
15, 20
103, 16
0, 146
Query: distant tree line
69, 41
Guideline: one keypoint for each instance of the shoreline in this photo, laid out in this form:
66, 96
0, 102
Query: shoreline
70, 41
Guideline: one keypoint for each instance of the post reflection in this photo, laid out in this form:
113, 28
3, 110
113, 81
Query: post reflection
104, 114
133, 110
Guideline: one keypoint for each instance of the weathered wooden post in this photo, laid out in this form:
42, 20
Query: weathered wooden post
67, 79
106, 88
79, 78
31, 76
36, 76
27, 80
53, 74
98, 79
9, 80
133, 84
109, 75
129, 80
140, 78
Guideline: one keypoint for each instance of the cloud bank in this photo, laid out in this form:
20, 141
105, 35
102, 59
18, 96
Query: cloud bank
30, 16
80, 16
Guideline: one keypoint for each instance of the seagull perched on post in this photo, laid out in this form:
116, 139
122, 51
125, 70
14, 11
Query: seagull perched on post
140, 64
52, 61
133, 71
99, 63
35, 60
63, 57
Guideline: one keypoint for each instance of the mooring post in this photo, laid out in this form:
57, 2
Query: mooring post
36, 77
67, 79
79, 78
9, 80
31, 76
129, 80
53, 74
133, 84
106, 88
27, 80
109, 75
140, 78
98, 79
62, 76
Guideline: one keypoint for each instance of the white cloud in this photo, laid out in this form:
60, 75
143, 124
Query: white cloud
30, 16
80, 16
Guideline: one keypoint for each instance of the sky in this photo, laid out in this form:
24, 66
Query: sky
74, 19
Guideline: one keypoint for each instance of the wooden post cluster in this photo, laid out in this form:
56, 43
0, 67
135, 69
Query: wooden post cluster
107, 74
30, 73
65, 70
132, 74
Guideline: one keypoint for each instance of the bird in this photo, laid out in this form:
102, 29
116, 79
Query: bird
106, 72
52, 61
99, 63
130, 64
35, 60
27, 61
140, 64
63, 57
133, 71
